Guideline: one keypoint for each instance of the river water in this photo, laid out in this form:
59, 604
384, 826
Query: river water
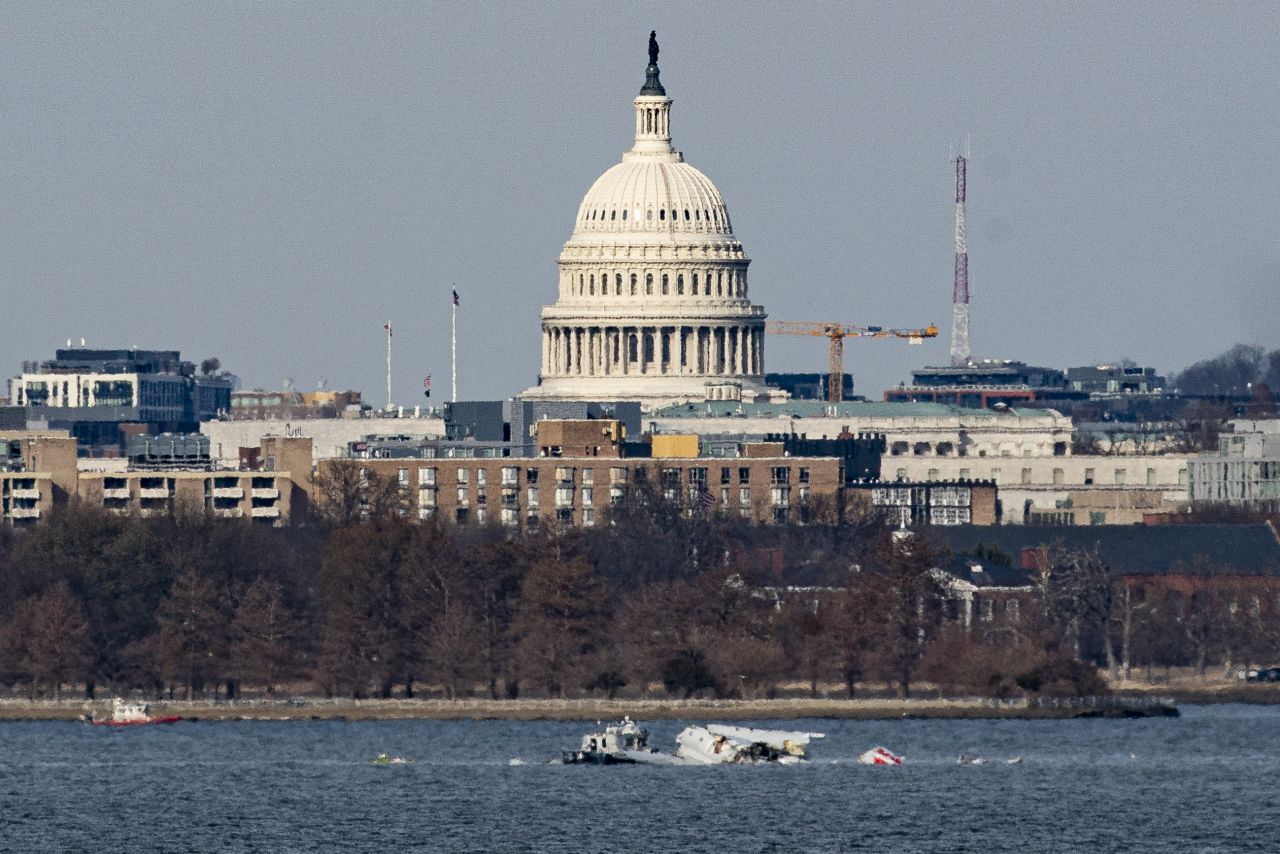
1206, 781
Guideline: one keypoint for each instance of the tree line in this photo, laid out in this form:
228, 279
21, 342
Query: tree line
657, 597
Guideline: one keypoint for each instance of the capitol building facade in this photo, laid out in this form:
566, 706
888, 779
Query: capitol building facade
653, 301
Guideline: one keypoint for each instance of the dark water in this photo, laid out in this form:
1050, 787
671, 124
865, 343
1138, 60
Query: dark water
1204, 782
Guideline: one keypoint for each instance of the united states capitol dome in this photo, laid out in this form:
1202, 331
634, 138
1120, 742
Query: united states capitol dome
652, 302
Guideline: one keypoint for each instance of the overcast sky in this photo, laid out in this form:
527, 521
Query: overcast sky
269, 183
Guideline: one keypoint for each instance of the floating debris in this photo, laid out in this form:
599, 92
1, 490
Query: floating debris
880, 756
385, 759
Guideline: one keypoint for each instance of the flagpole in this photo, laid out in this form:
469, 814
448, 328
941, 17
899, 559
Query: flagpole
454, 345
388, 365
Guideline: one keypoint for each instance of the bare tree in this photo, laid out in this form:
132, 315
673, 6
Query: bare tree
265, 636
193, 631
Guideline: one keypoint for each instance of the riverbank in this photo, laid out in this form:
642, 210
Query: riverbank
598, 709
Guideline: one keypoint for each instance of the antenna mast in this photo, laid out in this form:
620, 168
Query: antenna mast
960, 289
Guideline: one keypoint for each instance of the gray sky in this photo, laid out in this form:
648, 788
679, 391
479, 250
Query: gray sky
269, 183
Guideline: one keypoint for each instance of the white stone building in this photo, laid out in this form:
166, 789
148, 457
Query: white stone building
652, 302
912, 431
1245, 470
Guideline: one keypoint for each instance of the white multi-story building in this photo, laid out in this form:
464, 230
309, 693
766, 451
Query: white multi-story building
653, 302
1245, 470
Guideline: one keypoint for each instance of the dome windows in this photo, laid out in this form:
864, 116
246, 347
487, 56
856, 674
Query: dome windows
662, 214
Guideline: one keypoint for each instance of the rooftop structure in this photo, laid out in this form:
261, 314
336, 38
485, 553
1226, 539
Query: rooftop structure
103, 396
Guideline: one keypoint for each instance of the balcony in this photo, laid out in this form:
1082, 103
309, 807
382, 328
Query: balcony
265, 492
31, 494
228, 492
229, 512
119, 492
155, 492
24, 513
265, 512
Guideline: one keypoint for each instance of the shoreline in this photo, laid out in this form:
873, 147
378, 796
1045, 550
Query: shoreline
313, 709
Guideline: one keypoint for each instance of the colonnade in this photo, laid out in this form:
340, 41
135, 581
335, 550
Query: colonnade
709, 350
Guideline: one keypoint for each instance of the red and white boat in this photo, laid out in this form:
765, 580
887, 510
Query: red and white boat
133, 714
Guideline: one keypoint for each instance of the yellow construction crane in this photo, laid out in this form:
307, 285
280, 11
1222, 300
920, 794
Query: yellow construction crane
836, 333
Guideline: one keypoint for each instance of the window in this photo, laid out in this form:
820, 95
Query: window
780, 475
588, 496
531, 476
588, 517
804, 474
744, 475
427, 476
464, 475
564, 474
724, 475
510, 476
1151, 477
964, 474
932, 474
588, 477
698, 476
464, 497
987, 611
648, 284
1120, 477
1058, 476
617, 474
1026, 476
402, 477
1088, 477
780, 495
533, 500
482, 477
664, 284
680, 285
744, 496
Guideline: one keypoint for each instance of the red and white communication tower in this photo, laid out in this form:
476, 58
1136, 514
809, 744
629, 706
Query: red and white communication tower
960, 290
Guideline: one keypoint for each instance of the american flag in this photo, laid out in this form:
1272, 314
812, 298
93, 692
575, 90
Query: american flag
706, 500
455, 297
387, 326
